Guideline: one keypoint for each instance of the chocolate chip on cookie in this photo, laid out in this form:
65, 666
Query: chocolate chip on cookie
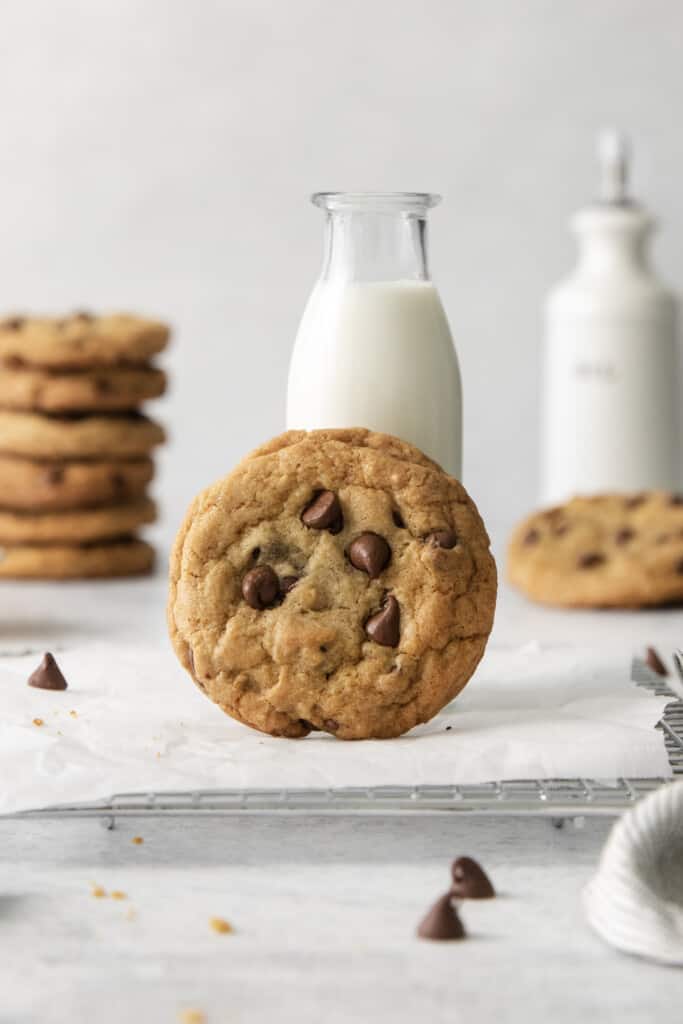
442, 539
261, 587
324, 513
370, 553
384, 627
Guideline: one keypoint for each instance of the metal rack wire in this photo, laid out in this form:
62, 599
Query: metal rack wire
554, 798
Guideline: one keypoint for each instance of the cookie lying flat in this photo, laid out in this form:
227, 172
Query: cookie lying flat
75, 526
80, 340
62, 562
330, 585
619, 551
37, 436
43, 485
99, 390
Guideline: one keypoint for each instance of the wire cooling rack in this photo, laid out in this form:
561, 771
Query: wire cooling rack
554, 798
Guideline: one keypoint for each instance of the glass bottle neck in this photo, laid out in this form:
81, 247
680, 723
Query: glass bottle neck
375, 245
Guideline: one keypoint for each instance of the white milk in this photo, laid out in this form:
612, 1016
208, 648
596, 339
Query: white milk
379, 355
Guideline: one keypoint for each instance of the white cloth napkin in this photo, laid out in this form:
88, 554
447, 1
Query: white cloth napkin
131, 721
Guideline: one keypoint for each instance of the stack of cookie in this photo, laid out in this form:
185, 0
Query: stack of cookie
74, 447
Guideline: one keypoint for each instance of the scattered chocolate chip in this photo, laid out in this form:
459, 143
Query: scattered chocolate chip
261, 587
48, 675
287, 583
448, 728
324, 513
590, 560
624, 535
442, 539
531, 537
442, 924
635, 500
470, 881
370, 553
331, 724
384, 626
653, 661
398, 519
676, 499
54, 475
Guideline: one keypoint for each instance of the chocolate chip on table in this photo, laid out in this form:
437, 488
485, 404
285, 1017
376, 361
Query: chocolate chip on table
48, 675
442, 539
261, 587
591, 560
441, 923
624, 535
531, 537
370, 553
470, 881
287, 583
384, 626
324, 513
653, 661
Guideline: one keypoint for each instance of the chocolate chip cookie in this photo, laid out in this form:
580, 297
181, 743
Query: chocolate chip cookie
109, 388
43, 485
75, 526
41, 436
335, 580
125, 557
607, 551
79, 340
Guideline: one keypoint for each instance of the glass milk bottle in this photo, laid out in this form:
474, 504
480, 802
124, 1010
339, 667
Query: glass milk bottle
374, 348
610, 381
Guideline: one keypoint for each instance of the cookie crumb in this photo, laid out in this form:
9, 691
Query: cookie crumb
137, 840
74, 714
38, 722
220, 925
99, 892
118, 895
131, 914
192, 1017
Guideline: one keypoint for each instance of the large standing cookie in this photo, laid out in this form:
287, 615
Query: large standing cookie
80, 340
612, 550
118, 435
125, 557
332, 583
34, 484
109, 388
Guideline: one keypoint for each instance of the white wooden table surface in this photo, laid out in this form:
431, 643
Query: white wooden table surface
324, 910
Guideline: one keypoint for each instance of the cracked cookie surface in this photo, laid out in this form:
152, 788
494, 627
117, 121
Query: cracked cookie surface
335, 580
603, 551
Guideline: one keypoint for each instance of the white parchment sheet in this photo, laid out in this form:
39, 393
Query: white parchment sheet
131, 721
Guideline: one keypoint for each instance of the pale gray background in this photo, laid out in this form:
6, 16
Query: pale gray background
158, 156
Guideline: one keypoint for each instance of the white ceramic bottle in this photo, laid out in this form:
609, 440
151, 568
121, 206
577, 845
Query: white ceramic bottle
374, 348
610, 366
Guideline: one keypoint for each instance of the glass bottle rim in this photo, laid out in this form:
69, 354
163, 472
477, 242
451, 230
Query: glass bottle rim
377, 202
